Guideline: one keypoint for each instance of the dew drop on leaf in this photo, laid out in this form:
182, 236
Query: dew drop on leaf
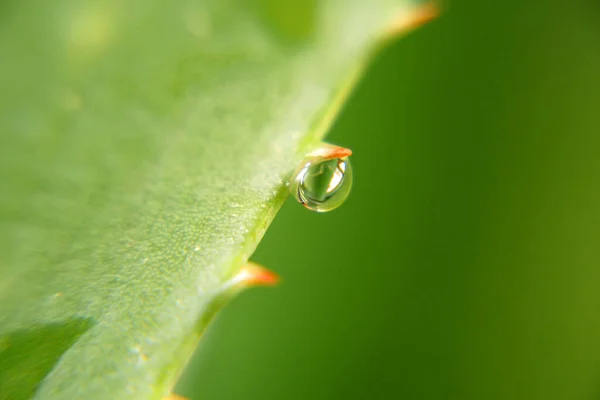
323, 185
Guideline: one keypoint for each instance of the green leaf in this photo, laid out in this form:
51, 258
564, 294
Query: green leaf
145, 148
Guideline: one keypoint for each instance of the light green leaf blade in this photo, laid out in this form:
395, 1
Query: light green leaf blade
145, 148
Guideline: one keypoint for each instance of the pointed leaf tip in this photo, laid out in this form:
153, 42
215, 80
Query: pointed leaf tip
253, 274
406, 21
329, 151
174, 397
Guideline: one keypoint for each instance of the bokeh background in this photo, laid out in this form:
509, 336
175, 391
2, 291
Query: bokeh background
466, 263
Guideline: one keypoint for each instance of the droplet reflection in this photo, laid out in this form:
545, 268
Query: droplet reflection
323, 185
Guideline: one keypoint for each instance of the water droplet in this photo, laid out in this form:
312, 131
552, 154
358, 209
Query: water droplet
323, 184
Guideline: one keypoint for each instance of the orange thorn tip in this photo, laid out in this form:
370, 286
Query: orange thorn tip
411, 19
174, 397
253, 274
329, 151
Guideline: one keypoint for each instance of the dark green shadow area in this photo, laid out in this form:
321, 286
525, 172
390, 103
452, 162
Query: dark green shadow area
28, 355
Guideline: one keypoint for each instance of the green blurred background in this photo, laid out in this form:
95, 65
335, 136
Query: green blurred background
465, 264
